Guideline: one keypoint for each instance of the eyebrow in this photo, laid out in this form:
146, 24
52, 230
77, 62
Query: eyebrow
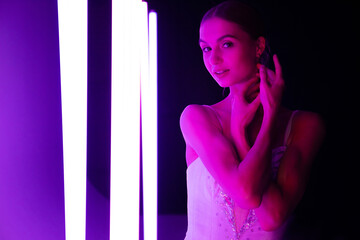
221, 38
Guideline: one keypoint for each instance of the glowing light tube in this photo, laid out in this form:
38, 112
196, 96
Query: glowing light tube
125, 120
149, 131
72, 17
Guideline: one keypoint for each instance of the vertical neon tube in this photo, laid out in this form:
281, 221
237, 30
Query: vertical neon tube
149, 133
125, 120
72, 16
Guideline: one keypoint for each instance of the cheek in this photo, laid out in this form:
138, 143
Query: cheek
244, 59
242, 64
206, 63
244, 55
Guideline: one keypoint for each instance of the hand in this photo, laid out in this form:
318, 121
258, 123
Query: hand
245, 103
271, 88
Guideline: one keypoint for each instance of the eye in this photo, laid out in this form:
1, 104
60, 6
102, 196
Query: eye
206, 49
228, 44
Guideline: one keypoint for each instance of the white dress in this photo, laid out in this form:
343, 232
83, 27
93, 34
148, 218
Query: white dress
211, 214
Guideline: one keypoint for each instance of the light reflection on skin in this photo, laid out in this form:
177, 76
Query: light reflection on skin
227, 46
237, 151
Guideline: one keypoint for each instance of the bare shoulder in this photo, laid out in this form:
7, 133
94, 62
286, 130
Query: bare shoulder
308, 132
309, 121
196, 116
190, 114
190, 110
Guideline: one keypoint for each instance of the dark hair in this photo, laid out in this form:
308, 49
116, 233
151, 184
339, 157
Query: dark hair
248, 18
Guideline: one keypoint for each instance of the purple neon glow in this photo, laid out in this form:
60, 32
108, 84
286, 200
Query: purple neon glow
31, 173
149, 128
125, 120
73, 69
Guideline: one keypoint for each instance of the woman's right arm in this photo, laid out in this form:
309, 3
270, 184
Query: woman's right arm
202, 132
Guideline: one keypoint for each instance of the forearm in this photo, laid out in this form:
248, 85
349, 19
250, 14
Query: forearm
284, 193
240, 141
272, 211
255, 168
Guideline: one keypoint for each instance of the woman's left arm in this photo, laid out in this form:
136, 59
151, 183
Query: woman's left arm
284, 193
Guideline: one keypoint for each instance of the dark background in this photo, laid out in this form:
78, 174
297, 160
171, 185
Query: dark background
316, 41
317, 44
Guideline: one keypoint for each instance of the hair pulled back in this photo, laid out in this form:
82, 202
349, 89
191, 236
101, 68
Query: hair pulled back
246, 17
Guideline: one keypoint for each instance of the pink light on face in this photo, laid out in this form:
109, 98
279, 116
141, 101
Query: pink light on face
229, 52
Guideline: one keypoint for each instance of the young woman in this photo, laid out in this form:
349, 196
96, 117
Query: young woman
248, 157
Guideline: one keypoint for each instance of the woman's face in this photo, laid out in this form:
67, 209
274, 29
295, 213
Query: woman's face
229, 53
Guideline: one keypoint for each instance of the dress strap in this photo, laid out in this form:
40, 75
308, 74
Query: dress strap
216, 114
288, 127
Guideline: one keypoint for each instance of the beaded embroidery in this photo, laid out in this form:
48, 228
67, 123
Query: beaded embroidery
227, 205
250, 220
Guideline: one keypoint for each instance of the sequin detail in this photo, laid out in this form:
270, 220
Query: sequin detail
277, 154
227, 205
249, 222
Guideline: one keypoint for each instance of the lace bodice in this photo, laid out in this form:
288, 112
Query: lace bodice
212, 213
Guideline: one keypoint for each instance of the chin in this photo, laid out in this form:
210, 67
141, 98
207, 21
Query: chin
222, 84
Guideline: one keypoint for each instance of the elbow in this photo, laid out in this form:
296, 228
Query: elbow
247, 198
269, 227
272, 222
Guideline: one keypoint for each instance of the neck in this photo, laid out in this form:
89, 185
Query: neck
251, 92
253, 129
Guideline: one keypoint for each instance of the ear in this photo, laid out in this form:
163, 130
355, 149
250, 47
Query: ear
260, 46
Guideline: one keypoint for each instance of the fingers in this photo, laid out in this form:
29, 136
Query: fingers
278, 70
256, 103
270, 76
253, 88
248, 84
252, 81
252, 92
263, 76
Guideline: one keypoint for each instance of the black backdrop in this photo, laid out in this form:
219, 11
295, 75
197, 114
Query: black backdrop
316, 42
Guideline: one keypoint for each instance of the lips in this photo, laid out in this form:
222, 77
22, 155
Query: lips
221, 72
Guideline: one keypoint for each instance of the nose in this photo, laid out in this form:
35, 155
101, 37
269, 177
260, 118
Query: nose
215, 57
